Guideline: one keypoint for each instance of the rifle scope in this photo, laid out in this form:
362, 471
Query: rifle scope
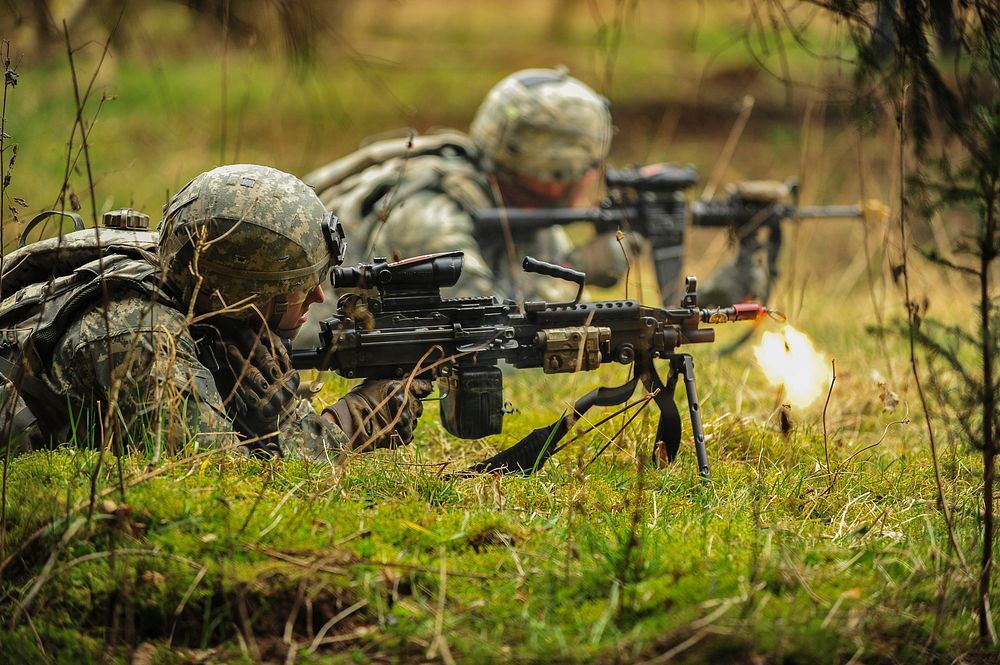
653, 178
420, 273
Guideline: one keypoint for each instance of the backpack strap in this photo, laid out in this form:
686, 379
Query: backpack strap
42, 403
379, 152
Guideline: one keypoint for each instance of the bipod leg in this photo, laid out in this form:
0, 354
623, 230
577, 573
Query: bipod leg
684, 364
668, 430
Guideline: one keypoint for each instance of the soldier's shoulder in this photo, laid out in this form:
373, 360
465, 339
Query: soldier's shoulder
121, 314
391, 148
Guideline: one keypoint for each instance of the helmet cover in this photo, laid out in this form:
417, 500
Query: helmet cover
543, 123
237, 236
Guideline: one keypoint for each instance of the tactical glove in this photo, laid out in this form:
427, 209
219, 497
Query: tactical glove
761, 191
258, 386
380, 414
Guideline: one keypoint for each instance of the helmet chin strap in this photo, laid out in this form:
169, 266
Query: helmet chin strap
286, 333
275, 311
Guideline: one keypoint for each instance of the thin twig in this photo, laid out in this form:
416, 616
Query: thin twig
746, 107
10, 408
826, 445
184, 599
911, 316
337, 618
440, 643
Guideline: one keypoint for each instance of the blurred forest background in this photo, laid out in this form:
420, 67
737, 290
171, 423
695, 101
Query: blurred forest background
170, 89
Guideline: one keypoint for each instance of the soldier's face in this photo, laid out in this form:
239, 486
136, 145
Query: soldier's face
521, 191
297, 309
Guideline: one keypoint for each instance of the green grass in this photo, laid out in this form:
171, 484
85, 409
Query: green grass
613, 563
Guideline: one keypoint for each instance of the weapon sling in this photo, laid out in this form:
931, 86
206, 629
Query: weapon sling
530, 453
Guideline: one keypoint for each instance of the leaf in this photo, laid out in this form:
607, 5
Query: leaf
416, 527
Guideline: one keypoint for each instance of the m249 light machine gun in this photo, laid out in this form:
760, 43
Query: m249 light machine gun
648, 200
408, 329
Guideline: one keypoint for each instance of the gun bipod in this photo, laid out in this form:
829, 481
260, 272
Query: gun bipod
668, 431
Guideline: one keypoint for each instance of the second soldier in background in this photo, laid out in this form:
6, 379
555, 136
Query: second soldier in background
539, 139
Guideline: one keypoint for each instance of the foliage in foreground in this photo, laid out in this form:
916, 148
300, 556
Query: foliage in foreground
215, 558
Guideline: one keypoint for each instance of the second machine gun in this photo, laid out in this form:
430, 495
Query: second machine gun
650, 200
762, 205
408, 329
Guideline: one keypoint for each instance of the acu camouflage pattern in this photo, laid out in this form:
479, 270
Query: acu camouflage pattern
411, 196
164, 388
238, 235
543, 123
106, 333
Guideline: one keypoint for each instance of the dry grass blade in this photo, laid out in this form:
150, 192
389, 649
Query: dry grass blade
320, 638
826, 442
47, 570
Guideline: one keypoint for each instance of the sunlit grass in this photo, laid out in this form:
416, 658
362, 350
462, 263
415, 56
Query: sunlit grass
615, 560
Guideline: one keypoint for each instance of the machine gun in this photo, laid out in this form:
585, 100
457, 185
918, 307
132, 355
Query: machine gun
408, 329
649, 200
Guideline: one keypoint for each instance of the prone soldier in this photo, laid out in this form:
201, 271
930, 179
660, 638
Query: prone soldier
180, 336
539, 140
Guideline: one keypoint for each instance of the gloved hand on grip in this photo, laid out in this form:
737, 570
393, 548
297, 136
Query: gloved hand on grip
258, 386
380, 413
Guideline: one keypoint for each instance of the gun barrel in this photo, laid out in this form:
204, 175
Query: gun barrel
525, 221
747, 311
830, 212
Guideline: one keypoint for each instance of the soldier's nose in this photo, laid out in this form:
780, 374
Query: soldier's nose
317, 295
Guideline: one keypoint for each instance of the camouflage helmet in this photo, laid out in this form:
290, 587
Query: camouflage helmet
239, 235
543, 123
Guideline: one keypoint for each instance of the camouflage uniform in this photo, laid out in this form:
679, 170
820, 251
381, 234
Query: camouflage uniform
410, 196
122, 331
163, 388
429, 189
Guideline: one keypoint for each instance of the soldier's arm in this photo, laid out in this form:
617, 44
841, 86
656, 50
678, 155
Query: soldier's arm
142, 360
139, 360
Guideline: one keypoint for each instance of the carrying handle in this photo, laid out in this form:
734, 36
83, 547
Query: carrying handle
531, 264
42, 216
